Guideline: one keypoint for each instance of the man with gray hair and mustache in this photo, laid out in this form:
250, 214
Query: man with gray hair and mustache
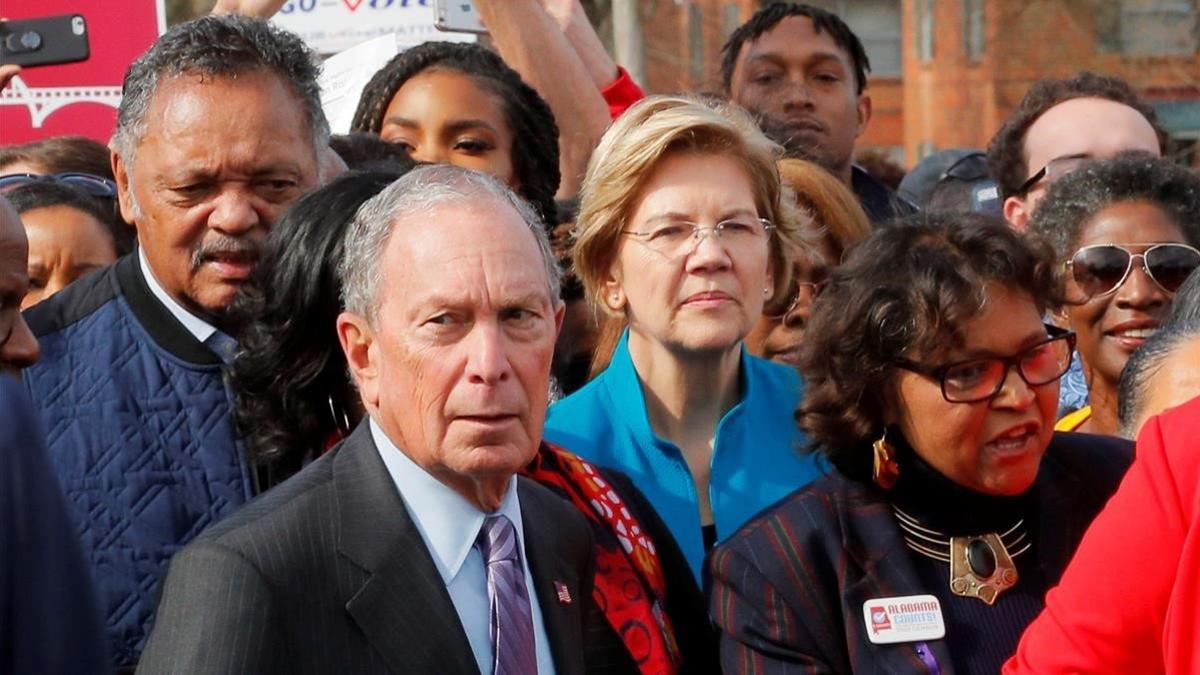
220, 129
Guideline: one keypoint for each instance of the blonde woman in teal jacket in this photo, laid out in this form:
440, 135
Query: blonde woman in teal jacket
684, 234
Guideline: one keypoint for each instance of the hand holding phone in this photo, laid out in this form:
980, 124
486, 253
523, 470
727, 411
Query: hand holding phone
44, 41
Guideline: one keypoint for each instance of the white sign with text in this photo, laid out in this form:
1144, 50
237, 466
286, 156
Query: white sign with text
331, 26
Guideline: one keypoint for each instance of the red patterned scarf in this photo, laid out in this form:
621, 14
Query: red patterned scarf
629, 585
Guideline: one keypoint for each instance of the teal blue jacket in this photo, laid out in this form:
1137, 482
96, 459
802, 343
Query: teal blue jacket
757, 457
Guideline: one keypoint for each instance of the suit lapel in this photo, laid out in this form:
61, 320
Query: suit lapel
563, 618
403, 608
873, 544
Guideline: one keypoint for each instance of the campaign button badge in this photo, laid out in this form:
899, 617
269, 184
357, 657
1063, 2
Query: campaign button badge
906, 618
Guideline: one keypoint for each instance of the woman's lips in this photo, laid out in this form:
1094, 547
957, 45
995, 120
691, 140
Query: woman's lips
1132, 334
1014, 442
707, 299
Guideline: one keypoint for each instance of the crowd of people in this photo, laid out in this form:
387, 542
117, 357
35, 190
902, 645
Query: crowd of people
532, 372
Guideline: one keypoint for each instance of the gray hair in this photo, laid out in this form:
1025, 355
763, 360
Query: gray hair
1185, 308
221, 46
1142, 368
420, 191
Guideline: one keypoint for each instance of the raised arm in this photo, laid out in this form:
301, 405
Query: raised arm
576, 26
551, 66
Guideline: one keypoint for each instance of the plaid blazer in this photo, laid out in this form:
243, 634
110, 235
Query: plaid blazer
789, 587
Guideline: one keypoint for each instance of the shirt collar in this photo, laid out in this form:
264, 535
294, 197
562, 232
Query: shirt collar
447, 522
194, 324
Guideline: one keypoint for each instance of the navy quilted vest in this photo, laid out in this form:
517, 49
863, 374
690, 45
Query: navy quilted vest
140, 433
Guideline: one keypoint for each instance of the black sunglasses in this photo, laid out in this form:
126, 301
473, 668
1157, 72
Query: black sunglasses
976, 380
96, 186
1102, 269
1054, 169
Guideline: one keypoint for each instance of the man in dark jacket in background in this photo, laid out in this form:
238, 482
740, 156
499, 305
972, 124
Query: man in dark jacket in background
219, 130
802, 73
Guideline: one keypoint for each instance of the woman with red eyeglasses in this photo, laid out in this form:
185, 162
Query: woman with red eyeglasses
1126, 231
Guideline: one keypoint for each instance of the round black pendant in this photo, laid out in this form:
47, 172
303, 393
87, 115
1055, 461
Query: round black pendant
981, 558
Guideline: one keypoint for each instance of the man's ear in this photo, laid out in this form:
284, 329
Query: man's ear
124, 187
358, 344
1015, 213
559, 315
864, 113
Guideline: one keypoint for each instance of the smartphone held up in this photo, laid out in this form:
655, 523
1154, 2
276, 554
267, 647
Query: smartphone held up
44, 41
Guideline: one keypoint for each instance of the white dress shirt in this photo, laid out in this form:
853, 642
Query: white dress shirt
194, 324
449, 524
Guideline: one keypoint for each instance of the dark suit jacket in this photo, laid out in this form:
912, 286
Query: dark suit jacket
789, 587
327, 573
49, 620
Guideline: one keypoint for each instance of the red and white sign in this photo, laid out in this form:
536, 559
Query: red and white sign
909, 618
78, 98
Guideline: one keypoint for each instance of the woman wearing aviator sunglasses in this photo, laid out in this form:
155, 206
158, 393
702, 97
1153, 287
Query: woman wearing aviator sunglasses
1125, 231
932, 387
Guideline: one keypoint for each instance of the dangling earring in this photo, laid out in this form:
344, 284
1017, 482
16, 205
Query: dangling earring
886, 469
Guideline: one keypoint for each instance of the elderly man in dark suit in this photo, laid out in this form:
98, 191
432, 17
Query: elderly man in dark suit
412, 547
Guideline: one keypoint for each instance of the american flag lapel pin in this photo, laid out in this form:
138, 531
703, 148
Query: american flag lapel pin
563, 593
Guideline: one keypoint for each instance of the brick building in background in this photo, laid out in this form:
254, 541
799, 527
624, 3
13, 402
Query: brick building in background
947, 72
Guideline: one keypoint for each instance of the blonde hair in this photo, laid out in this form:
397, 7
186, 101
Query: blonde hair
632, 148
837, 216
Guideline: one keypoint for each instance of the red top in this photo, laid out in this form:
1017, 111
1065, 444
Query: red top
621, 93
1128, 602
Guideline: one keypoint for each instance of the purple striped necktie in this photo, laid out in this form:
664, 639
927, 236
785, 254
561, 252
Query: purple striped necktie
510, 618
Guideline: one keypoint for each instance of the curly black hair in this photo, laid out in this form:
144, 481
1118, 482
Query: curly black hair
823, 22
906, 290
535, 133
291, 387
1073, 200
1006, 151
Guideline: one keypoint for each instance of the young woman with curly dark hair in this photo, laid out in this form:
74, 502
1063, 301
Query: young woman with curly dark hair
457, 103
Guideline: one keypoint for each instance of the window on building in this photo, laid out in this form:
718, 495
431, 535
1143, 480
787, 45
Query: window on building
925, 29
731, 18
974, 41
877, 24
1147, 27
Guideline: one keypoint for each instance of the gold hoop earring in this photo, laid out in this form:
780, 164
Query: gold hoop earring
886, 469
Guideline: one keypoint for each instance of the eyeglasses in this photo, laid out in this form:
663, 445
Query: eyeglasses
680, 237
978, 380
1054, 169
96, 186
1102, 269
801, 290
